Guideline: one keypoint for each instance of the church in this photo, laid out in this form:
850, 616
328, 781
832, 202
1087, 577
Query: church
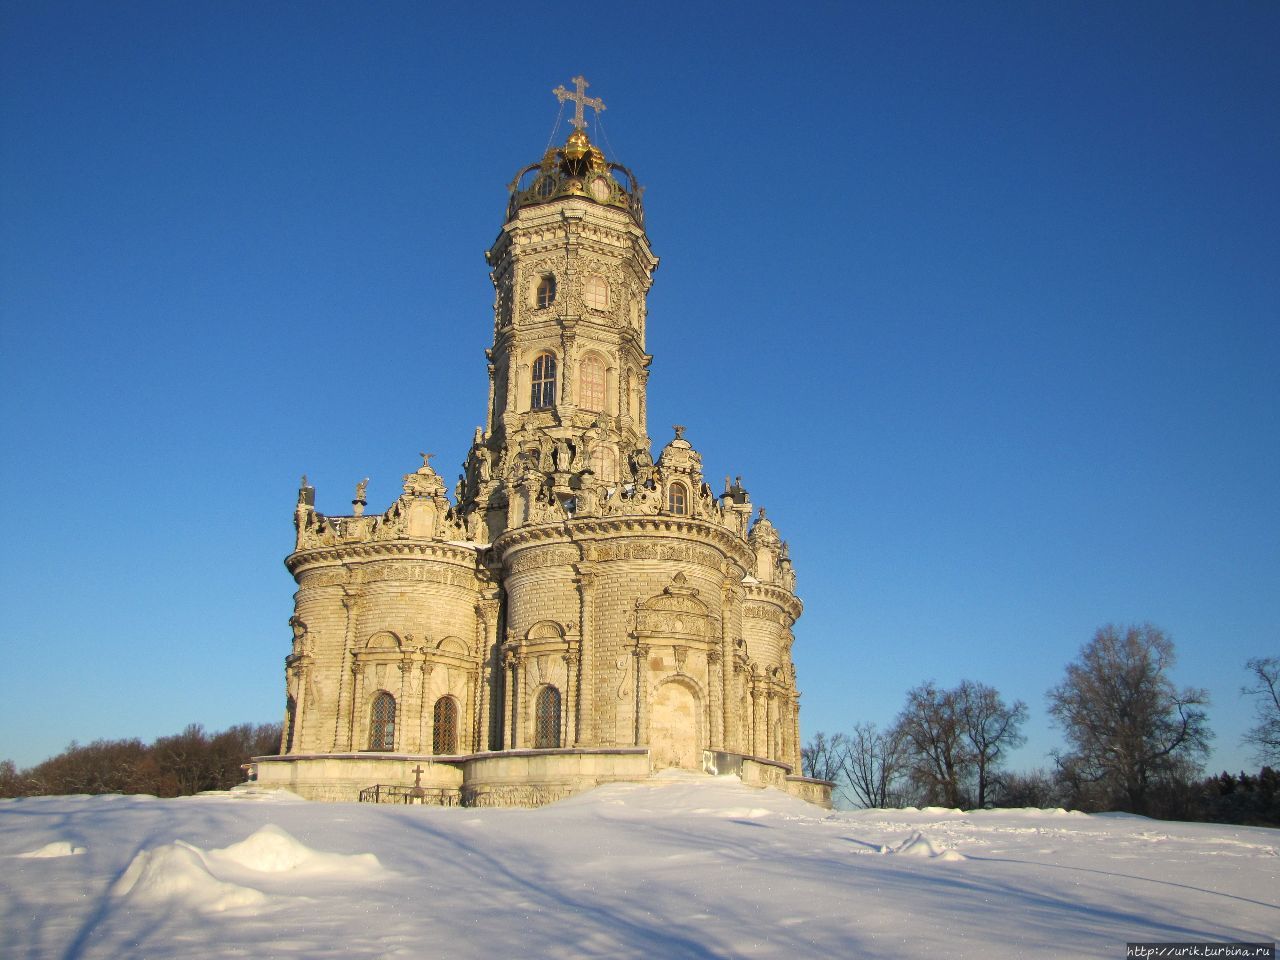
581, 611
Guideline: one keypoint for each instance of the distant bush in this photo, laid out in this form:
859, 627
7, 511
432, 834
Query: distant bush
172, 766
1250, 800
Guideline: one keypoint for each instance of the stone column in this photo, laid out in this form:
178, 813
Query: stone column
795, 733
643, 385
403, 713
357, 696
513, 385
771, 725
487, 627
624, 401
737, 740
585, 727
715, 695
466, 737
642, 712
508, 710
428, 723
759, 718
567, 343
489, 421
730, 627
569, 736
485, 739
342, 716
300, 671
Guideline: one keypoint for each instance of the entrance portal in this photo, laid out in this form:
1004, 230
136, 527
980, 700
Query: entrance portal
675, 728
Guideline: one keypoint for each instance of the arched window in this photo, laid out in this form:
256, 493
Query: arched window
595, 293
546, 291
544, 382
678, 499
591, 383
382, 723
444, 731
546, 721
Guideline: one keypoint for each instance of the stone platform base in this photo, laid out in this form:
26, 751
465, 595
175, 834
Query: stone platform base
513, 778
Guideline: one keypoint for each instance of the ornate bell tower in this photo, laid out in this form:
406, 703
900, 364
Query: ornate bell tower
571, 269
582, 610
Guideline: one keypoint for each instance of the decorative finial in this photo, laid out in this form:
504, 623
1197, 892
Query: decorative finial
762, 513
426, 459
580, 100
304, 480
679, 429
360, 489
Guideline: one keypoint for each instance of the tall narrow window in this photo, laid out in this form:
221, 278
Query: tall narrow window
382, 724
546, 291
546, 723
444, 732
595, 293
544, 382
591, 385
678, 499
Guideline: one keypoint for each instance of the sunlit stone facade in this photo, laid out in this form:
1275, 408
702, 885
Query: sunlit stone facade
578, 611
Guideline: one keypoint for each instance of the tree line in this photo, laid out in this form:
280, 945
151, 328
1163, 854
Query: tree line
1134, 742
172, 766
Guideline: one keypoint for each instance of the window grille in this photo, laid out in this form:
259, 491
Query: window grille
382, 726
544, 382
444, 731
595, 293
678, 499
546, 292
605, 463
546, 725
591, 388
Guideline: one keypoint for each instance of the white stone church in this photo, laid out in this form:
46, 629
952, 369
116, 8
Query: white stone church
580, 611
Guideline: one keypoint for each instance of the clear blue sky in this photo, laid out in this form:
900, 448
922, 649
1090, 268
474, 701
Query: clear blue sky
982, 300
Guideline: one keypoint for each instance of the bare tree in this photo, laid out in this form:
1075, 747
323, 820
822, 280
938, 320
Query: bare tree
992, 729
1128, 727
1265, 735
932, 734
872, 765
822, 757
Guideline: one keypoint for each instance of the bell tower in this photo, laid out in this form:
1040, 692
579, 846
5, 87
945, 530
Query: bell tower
571, 269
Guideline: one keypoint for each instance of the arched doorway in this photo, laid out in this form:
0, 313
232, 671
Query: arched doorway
675, 728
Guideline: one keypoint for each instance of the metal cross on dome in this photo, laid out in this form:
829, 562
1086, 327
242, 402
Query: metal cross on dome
580, 100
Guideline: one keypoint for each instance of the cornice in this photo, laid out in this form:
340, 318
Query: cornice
452, 553
777, 596
593, 529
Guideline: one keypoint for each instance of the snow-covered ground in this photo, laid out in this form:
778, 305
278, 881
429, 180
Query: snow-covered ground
679, 867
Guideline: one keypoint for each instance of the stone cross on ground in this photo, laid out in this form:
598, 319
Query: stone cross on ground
580, 100
418, 792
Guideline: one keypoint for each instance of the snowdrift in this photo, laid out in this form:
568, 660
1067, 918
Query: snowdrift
676, 867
